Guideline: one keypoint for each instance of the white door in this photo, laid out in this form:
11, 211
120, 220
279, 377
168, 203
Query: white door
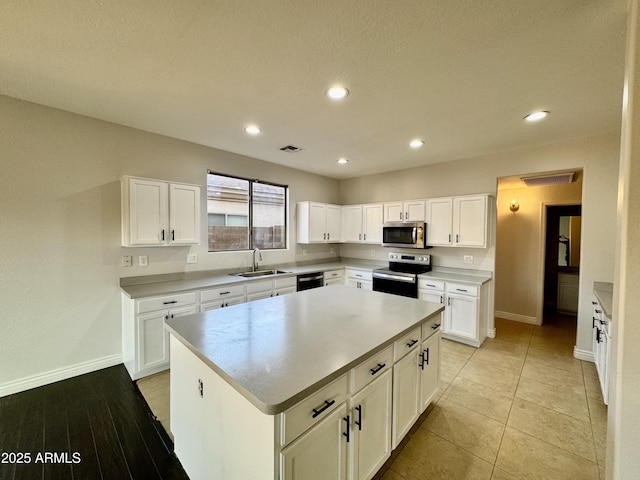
463, 316
184, 214
405, 396
429, 370
317, 222
371, 423
352, 223
470, 221
152, 340
414, 211
439, 221
321, 453
334, 222
148, 212
372, 215
393, 212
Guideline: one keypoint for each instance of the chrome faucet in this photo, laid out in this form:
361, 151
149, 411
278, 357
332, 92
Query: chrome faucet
255, 263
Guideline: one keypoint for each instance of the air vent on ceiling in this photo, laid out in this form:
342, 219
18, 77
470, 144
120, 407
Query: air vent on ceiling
543, 180
291, 149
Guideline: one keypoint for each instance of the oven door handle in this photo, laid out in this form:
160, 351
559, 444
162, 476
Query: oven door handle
399, 278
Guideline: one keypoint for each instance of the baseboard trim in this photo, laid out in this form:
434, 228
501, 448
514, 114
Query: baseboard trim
40, 379
516, 317
586, 355
491, 332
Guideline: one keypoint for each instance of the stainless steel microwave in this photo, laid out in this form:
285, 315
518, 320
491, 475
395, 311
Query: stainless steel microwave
404, 235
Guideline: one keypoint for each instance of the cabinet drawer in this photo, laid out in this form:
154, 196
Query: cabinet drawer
430, 284
285, 282
331, 274
260, 286
370, 369
360, 274
431, 326
313, 409
462, 289
169, 301
222, 292
405, 344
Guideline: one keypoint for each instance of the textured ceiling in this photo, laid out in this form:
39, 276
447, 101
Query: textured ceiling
459, 74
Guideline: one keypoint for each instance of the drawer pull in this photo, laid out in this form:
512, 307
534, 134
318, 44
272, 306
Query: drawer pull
378, 368
169, 303
412, 343
429, 285
319, 410
598, 311
436, 326
359, 421
461, 290
225, 293
346, 434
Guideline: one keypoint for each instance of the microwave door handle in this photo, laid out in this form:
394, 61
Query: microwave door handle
414, 235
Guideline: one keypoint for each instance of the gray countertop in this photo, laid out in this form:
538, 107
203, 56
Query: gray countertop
604, 293
279, 350
459, 275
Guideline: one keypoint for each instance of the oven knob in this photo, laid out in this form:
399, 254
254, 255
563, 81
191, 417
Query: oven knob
421, 259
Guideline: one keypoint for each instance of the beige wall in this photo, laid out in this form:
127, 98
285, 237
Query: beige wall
60, 241
520, 245
597, 156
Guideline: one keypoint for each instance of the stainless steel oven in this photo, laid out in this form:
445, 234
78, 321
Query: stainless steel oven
401, 278
404, 235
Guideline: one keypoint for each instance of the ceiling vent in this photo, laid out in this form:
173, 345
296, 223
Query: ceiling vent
291, 149
544, 180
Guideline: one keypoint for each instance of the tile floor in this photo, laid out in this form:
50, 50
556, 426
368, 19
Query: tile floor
519, 407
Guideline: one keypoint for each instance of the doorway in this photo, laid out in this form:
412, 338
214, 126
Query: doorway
562, 265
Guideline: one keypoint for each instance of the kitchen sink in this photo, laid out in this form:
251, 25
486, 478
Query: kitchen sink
258, 273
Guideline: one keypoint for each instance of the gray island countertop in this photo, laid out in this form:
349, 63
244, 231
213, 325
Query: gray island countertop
279, 350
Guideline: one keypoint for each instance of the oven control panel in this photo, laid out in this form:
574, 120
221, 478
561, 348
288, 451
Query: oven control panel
410, 258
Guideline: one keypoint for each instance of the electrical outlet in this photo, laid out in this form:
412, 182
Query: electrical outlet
304, 252
192, 258
332, 250
468, 259
373, 253
126, 260
143, 260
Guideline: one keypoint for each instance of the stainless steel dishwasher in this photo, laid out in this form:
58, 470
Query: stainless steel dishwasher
310, 280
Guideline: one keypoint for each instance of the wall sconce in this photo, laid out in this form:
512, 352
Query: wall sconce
514, 206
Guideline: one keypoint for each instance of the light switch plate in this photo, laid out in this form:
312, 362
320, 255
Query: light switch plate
143, 260
126, 260
304, 252
192, 258
468, 259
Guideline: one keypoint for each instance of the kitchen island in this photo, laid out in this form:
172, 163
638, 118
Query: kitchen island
288, 387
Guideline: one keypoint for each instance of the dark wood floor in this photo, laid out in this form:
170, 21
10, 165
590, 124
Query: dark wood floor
95, 426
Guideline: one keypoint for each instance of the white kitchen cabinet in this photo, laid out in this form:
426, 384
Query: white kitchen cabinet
362, 223
465, 317
257, 290
601, 347
145, 342
318, 222
320, 453
429, 358
159, 213
371, 427
458, 221
359, 278
221, 297
405, 394
407, 211
334, 277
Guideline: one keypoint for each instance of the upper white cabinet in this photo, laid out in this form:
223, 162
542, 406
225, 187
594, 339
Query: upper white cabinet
409, 211
158, 213
457, 221
362, 223
318, 222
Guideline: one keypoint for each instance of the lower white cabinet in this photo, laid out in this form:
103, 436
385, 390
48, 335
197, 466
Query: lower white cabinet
221, 297
334, 277
465, 316
601, 347
260, 289
429, 363
145, 342
405, 395
359, 278
321, 452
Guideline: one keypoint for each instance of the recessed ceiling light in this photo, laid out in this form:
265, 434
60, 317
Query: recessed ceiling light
343, 161
417, 143
337, 93
252, 130
535, 116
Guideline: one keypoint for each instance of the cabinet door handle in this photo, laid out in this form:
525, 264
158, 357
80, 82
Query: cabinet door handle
324, 236
162, 234
201, 388
329, 236
457, 238
359, 421
225, 293
426, 353
173, 235
421, 355
597, 335
319, 410
406, 215
436, 326
449, 238
169, 303
365, 237
346, 434
412, 343
430, 285
378, 368
441, 299
593, 303
461, 290
359, 236
400, 215
593, 322
598, 311
449, 301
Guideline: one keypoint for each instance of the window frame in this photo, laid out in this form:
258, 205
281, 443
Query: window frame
250, 216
